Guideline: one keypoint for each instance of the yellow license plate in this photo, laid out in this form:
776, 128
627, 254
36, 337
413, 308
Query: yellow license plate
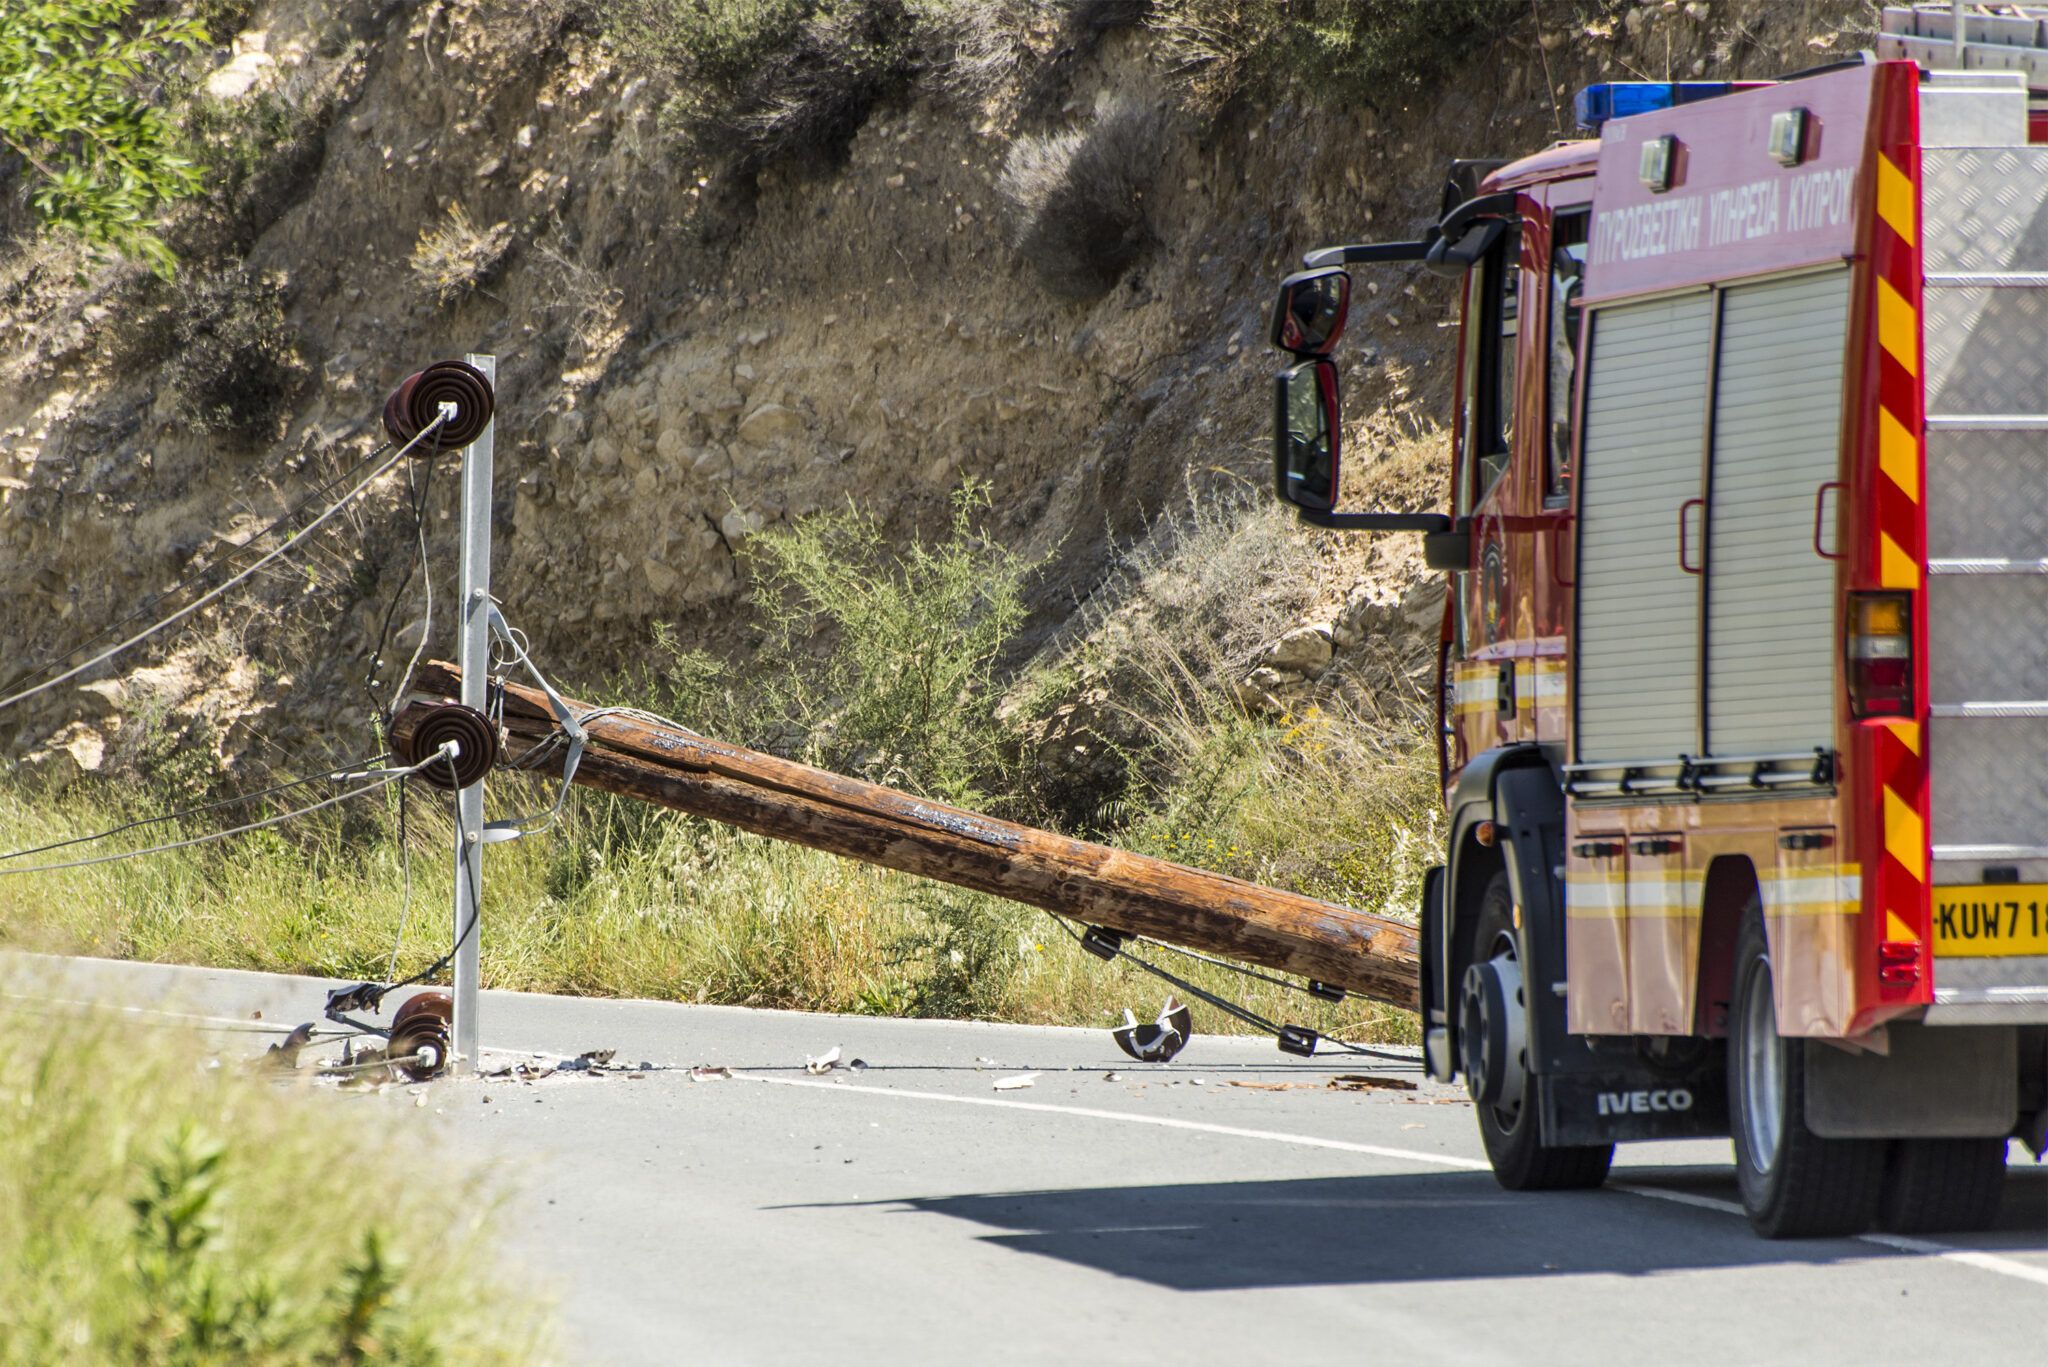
2001, 918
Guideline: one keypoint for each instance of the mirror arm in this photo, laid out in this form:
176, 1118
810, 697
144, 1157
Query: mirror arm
1367, 253
1455, 258
1375, 522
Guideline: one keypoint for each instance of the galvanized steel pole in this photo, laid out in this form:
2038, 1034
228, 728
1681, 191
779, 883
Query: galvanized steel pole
475, 640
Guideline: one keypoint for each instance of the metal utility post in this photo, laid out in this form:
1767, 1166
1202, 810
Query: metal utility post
475, 641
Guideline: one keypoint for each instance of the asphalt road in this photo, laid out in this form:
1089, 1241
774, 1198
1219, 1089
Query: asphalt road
910, 1212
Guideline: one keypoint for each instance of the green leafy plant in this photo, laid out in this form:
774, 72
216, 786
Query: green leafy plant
103, 160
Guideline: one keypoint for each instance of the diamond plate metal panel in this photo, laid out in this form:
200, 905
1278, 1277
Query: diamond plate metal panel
1987, 640
1982, 208
1987, 350
1989, 780
1987, 495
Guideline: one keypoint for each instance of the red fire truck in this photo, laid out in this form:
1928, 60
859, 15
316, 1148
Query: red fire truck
1743, 706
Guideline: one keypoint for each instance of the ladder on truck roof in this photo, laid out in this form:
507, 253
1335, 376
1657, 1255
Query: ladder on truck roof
1994, 38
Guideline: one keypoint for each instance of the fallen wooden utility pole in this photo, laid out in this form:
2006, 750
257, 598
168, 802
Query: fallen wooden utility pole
1132, 893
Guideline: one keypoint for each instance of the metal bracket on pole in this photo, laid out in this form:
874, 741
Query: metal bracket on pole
474, 640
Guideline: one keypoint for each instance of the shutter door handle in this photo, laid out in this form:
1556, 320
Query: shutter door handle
1683, 563
1820, 506
1565, 524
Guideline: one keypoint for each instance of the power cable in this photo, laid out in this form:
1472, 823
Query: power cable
196, 604
371, 995
196, 811
1230, 1008
391, 777
425, 564
151, 603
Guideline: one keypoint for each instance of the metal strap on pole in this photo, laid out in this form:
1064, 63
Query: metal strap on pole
475, 642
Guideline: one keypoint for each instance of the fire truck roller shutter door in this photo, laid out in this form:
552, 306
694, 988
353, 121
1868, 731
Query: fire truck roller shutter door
1638, 634
1777, 440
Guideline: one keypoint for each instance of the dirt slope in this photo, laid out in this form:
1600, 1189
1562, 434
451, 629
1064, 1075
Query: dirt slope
684, 362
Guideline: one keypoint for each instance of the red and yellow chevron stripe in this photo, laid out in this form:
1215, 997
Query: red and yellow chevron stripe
1896, 908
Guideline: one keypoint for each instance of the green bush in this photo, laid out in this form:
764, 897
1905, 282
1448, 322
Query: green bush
99, 154
161, 1210
905, 693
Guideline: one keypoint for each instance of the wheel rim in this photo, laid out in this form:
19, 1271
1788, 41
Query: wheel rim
1509, 1114
1762, 1067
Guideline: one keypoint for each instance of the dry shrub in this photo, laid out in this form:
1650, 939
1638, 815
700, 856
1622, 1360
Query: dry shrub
458, 257
766, 82
238, 364
1365, 50
1077, 199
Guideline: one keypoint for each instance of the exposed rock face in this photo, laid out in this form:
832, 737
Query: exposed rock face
676, 376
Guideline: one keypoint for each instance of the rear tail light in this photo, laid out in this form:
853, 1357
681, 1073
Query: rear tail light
1880, 648
1898, 962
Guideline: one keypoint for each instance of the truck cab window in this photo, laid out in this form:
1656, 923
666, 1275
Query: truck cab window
1493, 316
1567, 281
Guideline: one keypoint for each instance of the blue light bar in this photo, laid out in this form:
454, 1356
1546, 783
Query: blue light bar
1596, 104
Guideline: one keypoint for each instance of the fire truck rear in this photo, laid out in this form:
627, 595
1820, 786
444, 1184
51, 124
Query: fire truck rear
1743, 713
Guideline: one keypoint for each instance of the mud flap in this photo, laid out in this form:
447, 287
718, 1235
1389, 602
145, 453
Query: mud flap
1637, 1103
1436, 1032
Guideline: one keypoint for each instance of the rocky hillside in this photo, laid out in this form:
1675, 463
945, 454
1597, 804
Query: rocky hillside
1034, 248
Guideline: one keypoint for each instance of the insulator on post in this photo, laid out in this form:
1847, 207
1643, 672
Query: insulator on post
418, 400
476, 745
419, 1035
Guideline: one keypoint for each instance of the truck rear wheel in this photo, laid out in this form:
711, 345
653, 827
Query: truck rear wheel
1934, 1186
1492, 1040
1794, 1183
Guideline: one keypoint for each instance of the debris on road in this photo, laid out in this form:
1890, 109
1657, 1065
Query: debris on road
522, 1070
823, 1063
859, 1065
1015, 1081
1365, 1082
703, 1074
1275, 1086
1159, 1041
587, 1060
285, 1054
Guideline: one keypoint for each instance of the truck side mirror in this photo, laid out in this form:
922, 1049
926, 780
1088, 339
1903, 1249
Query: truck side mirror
1307, 445
1308, 317
1306, 440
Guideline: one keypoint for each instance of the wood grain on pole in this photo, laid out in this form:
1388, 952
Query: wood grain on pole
1195, 908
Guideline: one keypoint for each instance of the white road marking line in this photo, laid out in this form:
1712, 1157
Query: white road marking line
1683, 1198
1164, 1122
1897, 1243
1977, 1258
1987, 1262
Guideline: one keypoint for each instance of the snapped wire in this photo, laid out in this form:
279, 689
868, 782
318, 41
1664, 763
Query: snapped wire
1294, 1039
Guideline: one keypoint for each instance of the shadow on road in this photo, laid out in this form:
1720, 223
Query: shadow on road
1429, 1227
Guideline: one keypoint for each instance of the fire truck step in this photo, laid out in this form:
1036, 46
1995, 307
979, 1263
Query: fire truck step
1987, 566
1988, 709
1987, 422
1986, 854
1969, 280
